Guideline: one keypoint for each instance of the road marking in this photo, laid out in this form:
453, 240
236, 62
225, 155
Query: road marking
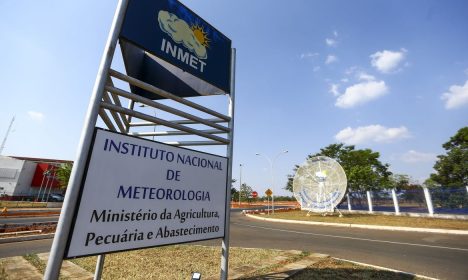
355, 238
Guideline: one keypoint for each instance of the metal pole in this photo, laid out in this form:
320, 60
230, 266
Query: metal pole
272, 175
99, 266
349, 202
240, 183
369, 201
225, 243
50, 188
6, 135
40, 189
46, 184
395, 202
273, 203
63, 227
430, 207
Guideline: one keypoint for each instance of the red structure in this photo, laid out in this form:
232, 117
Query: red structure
44, 175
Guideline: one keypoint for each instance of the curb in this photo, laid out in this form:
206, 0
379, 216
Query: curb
27, 238
387, 269
409, 229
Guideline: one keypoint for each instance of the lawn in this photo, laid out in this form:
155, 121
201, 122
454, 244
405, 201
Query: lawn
373, 219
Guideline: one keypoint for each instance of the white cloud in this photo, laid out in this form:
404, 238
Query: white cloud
361, 93
413, 156
330, 42
309, 55
316, 69
36, 116
334, 89
457, 96
351, 70
365, 77
331, 59
387, 61
372, 133
345, 80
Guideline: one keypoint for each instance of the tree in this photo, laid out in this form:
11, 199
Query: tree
451, 173
245, 191
63, 174
452, 168
403, 182
363, 168
234, 194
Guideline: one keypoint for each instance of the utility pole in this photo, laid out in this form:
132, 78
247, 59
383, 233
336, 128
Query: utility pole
240, 183
6, 135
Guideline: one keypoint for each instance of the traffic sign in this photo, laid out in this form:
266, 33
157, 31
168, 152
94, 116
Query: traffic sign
268, 192
254, 194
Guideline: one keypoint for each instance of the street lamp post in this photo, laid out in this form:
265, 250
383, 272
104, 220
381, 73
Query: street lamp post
272, 173
240, 183
154, 126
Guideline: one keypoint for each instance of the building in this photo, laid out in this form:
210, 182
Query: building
28, 178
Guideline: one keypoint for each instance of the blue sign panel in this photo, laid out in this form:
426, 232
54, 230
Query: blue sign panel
169, 30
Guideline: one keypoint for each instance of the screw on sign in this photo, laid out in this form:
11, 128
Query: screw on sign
268, 192
254, 194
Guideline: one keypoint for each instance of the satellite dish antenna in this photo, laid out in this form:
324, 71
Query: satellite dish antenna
319, 185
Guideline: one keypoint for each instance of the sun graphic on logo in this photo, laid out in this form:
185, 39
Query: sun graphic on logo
201, 35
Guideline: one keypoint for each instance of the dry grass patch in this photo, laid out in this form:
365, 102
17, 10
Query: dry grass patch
330, 268
36, 262
174, 262
22, 204
374, 219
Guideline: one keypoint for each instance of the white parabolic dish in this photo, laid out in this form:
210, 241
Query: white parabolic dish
319, 184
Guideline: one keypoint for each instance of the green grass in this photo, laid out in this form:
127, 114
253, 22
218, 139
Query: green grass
374, 219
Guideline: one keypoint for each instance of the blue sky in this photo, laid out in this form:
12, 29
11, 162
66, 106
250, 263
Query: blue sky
387, 75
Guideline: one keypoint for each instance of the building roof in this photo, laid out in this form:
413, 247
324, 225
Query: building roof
42, 160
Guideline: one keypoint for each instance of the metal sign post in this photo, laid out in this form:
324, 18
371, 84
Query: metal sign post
144, 89
230, 149
65, 221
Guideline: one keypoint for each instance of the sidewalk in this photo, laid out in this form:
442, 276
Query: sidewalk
18, 268
376, 227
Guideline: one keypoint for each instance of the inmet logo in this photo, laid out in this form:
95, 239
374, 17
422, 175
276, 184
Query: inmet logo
192, 37
170, 31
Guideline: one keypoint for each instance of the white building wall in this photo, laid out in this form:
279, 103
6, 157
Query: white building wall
23, 186
10, 170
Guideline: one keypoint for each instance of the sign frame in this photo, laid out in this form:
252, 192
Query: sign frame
100, 105
80, 195
144, 11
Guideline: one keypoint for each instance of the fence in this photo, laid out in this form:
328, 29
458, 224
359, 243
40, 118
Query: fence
423, 200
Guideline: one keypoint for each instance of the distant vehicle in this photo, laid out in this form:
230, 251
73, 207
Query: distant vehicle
55, 197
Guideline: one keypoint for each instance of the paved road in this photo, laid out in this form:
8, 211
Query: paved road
435, 255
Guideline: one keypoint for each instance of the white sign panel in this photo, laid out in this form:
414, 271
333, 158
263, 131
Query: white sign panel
139, 193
